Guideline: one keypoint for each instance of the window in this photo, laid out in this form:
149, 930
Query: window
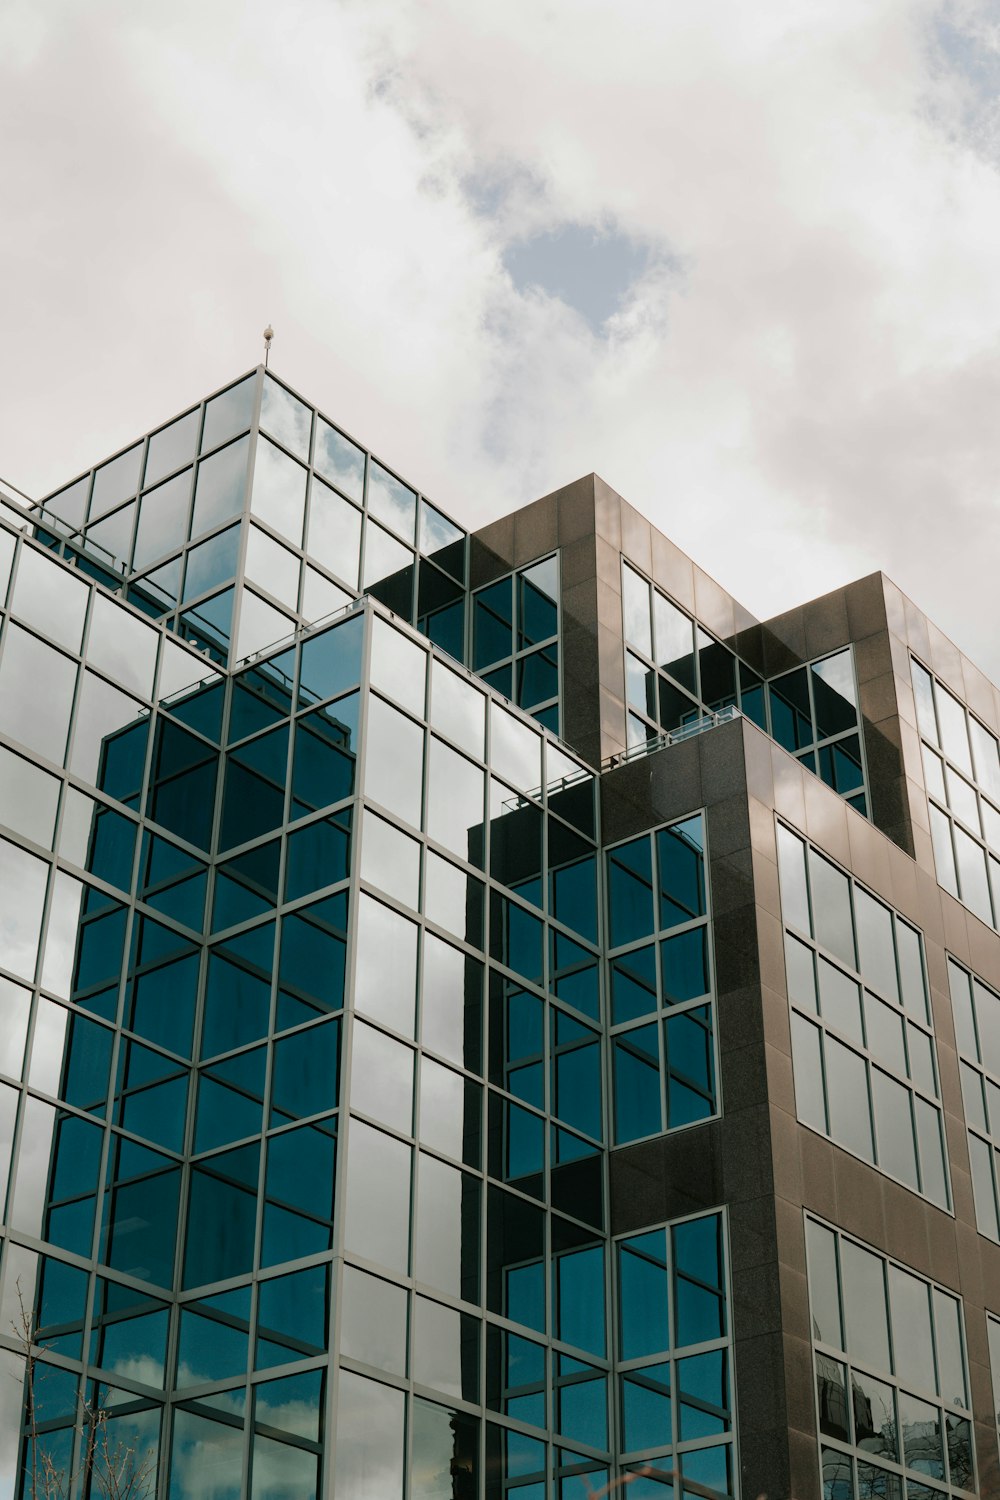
862, 1042
675, 672
674, 1351
892, 1395
961, 761
515, 638
976, 1010
660, 962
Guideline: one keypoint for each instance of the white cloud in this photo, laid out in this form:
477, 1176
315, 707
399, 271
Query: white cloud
801, 387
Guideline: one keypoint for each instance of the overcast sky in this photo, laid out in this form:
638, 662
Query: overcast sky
741, 260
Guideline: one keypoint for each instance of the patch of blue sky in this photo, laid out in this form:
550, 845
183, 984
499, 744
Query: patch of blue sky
589, 269
965, 49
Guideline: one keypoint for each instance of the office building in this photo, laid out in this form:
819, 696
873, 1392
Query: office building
483, 1016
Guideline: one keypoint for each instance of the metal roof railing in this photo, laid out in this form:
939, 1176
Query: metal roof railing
672, 737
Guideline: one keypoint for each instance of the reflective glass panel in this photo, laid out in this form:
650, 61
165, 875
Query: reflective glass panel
23, 879
285, 418
865, 1305
228, 413
373, 1321
220, 486
635, 606
163, 520
272, 566
382, 1078
115, 481
339, 460
398, 667
28, 798
38, 720
122, 645
386, 966
392, 502
369, 1445
334, 533
278, 495
377, 1203
172, 447
51, 598
394, 756
458, 709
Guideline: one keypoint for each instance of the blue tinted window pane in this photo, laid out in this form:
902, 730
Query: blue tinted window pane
325, 757
699, 1305
246, 886
710, 1469
208, 626
690, 1066
538, 677
791, 717
637, 1084
681, 859
111, 848
231, 1100
684, 962
238, 992
633, 984
311, 968
140, 1213
493, 624
298, 1208
222, 1216
205, 1453
578, 1298
576, 1075
630, 891
306, 1076
646, 1408
292, 1317
515, 1259
254, 789
516, 938
331, 662
160, 1004
211, 563
220, 487
644, 1295
213, 1342
318, 855
572, 881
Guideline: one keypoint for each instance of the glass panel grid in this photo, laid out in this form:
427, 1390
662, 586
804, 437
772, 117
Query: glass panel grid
188, 1094
863, 1053
677, 673
515, 638
976, 1011
674, 1348
892, 1392
136, 544
661, 987
962, 776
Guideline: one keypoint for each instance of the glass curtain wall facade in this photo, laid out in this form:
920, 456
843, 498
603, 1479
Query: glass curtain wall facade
251, 515
676, 673
305, 1075
393, 1106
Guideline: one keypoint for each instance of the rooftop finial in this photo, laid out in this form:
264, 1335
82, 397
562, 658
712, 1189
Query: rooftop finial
268, 336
